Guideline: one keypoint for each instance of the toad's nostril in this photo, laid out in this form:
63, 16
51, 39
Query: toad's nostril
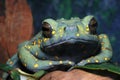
64, 28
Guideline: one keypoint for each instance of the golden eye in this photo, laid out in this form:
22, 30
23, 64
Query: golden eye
93, 26
46, 30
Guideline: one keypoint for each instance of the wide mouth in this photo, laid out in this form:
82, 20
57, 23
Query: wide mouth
70, 42
70, 47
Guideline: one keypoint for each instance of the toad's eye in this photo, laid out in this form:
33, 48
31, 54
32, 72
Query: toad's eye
46, 30
93, 26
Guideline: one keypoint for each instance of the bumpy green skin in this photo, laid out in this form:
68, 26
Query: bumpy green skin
31, 55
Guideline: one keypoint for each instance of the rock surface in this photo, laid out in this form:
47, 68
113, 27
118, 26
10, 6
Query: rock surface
73, 75
3, 50
16, 26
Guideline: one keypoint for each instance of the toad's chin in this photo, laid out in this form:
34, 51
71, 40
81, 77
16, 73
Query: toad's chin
70, 46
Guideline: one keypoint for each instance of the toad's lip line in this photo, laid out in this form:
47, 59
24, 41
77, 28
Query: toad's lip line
71, 41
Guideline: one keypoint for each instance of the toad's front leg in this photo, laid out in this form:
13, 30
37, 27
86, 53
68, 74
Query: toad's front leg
28, 56
104, 55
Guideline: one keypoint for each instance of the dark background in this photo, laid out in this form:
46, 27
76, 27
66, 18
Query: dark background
107, 13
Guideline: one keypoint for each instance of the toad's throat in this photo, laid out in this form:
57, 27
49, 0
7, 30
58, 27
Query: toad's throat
72, 47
